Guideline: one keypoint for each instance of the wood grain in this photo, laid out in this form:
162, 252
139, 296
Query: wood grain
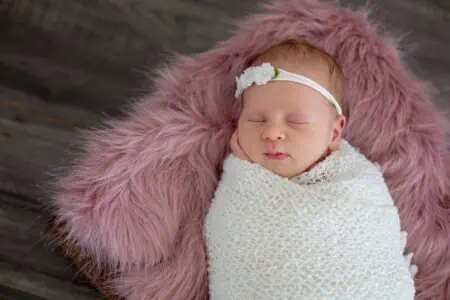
40, 137
13, 294
32, 152
27, 255
41, 286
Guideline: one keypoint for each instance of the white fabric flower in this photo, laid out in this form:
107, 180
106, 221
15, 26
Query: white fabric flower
264, 73
260, 75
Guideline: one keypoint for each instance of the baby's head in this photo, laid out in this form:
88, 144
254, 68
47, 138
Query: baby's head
288, 127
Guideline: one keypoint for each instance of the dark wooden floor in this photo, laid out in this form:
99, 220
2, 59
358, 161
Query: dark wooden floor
66, 65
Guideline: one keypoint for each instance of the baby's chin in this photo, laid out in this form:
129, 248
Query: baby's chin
285, 168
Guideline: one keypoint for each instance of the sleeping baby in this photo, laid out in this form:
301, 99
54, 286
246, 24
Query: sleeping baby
299, 213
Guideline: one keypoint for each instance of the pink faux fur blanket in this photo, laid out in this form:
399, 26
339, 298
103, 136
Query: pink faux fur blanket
137, 199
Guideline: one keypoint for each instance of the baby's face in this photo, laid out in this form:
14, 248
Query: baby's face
288, 127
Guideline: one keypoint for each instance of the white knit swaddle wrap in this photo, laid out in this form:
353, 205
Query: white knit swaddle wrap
330, 233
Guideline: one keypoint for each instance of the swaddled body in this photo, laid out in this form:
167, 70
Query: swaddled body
330, 233
299, 213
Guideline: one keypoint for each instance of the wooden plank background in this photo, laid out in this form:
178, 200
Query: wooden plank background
66, 65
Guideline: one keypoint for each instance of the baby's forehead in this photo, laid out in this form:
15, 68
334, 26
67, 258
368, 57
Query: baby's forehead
305, 60
286, 109
296, 58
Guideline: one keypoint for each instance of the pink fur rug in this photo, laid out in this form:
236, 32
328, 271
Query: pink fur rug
137, 199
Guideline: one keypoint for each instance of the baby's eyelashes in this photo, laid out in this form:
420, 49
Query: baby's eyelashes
298, 122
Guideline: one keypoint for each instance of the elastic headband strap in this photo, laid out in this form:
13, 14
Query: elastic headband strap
288, 76
266, 72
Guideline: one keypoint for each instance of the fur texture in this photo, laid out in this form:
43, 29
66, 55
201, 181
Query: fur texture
137, 199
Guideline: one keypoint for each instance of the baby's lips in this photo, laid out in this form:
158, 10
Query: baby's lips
275, 153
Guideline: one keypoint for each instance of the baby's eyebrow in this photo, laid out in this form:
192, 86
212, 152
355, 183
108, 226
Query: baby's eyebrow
253, 112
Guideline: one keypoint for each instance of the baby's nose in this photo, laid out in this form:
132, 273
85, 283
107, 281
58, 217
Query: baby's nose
274, 133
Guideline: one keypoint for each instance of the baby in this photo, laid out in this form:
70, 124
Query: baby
299, 213
278, 120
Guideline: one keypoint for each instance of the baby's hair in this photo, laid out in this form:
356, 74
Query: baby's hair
297, 52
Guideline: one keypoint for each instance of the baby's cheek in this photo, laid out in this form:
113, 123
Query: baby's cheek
248, 140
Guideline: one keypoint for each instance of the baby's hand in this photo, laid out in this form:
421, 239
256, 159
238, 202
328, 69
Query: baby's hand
237, 149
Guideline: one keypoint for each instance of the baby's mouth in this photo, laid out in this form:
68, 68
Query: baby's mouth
276, 155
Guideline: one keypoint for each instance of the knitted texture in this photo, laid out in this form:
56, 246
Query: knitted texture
330, 233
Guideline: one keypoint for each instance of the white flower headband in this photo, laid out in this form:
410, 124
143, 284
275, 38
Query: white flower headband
266, 72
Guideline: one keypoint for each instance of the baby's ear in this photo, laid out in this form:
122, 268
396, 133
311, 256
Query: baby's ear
338, 129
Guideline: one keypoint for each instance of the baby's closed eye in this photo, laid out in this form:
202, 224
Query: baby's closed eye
298, 119
298, 122
257, 118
